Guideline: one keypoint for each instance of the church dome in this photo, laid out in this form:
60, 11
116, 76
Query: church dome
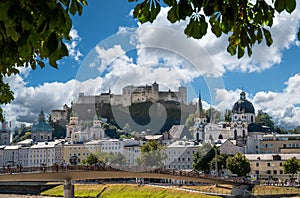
243, 105
41, 125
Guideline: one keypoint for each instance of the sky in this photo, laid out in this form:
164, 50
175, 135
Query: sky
110, 49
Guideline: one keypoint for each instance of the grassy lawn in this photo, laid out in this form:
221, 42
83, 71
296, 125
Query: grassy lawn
123, 190
271, 190
222, 189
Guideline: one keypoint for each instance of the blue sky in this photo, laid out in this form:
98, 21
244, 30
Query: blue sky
110, 49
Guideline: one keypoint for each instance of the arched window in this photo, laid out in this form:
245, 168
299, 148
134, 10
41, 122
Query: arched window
244, 133
197, 136
252, 120
220, 136
235, 134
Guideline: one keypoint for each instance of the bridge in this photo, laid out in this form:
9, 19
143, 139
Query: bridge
73, 173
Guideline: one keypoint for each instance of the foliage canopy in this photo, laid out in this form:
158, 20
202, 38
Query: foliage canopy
244, 21
238, 164
291, 166
30, 32
203, 157
152, 154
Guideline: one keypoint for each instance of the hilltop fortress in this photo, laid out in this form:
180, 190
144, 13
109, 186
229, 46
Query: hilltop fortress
136, 94
134, 98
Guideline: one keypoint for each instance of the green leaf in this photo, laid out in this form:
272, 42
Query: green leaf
52, 42
249, 50
13, 34
268, 37
241, 51
231, 49
215, 25
259, 36
155, 9
4, 7
170, 2
63, 50
25, 24
244, 38
216, 29
141, 12
280, 5
172, 14
25, 50
252, 35
184, 9
196, 29
73, 8
290, 5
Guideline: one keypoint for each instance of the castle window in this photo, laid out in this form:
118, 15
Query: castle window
220, 136
252, 118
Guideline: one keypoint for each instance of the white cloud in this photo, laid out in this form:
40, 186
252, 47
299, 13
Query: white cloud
166, 55
29, 100
283, 106
107, 56
74, 52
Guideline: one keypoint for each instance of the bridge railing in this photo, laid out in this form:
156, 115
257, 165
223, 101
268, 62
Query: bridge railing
105, 167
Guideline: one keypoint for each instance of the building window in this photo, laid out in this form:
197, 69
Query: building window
275, 172
281, 172
257, 172
268, 172
269, 164
280, 164
257, 164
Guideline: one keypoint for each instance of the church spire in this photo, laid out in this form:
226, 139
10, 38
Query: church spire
199, 106
41, 116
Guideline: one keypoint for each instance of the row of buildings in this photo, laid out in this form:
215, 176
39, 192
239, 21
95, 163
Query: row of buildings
266, 150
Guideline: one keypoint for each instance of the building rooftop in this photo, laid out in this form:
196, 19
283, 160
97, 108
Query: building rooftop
268, 157
183, 144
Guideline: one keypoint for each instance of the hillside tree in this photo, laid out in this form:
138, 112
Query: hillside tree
152, 154
238, 164
203, 157
264, 119
291, 166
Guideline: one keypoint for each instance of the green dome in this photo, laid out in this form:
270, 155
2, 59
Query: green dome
41, 125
